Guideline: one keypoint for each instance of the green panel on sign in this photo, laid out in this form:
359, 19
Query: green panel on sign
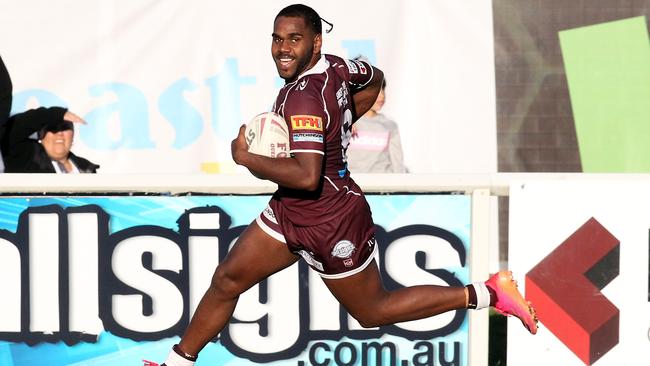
608, 71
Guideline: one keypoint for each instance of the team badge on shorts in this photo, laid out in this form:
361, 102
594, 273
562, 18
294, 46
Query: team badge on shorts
343, 249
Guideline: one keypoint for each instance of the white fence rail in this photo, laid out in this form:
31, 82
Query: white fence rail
497, 183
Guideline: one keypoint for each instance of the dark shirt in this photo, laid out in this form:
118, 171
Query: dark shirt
6, 90
23, 154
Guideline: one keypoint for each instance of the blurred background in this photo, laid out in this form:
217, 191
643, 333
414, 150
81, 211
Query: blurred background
476, 86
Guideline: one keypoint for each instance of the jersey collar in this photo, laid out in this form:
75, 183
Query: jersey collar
320, 67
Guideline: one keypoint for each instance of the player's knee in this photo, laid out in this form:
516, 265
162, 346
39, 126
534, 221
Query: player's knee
370, 319
225, 284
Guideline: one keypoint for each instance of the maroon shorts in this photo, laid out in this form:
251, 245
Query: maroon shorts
336, 248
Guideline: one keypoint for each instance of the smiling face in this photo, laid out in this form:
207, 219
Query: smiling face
295, 48
58, 144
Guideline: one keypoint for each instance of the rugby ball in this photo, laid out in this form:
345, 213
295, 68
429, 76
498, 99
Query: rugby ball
267, 134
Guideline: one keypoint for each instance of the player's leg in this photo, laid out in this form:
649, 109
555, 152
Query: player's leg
365, 298
255, 256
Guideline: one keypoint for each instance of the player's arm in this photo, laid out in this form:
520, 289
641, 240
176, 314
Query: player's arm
301, 171
365, 97
6, 90
26, 123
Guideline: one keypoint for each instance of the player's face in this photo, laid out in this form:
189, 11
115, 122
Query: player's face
295, 47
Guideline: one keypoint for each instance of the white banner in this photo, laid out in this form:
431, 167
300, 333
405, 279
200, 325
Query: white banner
164, 85
583, 247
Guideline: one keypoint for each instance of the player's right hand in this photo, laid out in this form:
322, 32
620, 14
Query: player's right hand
239, 146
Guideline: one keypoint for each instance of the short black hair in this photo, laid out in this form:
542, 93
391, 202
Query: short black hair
311, 17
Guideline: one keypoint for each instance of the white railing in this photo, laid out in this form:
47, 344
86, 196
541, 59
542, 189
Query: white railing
496, 183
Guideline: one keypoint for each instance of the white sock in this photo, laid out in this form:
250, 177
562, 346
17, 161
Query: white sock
482, 295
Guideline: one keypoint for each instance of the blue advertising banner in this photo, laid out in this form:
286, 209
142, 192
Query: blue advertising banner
114, 281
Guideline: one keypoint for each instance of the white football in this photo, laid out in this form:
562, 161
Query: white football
267, 134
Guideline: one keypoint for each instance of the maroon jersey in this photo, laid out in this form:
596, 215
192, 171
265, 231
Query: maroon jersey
317, 107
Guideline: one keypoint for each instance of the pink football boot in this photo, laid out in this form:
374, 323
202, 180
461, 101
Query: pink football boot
510, 302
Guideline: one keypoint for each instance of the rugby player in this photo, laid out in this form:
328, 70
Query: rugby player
318, 212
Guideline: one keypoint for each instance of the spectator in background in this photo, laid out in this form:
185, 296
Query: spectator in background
375, 146
51, 153
6, 90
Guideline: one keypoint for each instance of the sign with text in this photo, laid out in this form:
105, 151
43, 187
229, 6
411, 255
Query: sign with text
115, 280
176, 79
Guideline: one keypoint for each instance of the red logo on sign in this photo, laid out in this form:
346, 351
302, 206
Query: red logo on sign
565, 288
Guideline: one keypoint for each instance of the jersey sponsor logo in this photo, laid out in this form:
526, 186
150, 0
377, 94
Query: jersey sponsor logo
307, 137
306, 122
352, 67
362, 68
309, 258
342, 95
268, 211
343, 249
303, 84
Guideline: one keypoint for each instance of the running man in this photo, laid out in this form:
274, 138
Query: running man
318, 212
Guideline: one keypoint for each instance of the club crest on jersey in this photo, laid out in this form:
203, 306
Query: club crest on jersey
343, 249
306, 122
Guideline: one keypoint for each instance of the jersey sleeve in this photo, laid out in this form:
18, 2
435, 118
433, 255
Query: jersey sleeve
359, 73
306, 118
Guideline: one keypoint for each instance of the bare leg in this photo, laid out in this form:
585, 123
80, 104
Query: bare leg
365, 298
254, 257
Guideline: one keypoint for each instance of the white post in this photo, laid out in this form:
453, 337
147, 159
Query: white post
479, 270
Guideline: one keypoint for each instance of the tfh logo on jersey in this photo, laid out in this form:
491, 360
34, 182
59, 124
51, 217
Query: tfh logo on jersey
306, 122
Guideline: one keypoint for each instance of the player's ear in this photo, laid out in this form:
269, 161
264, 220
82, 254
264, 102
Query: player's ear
318, 42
